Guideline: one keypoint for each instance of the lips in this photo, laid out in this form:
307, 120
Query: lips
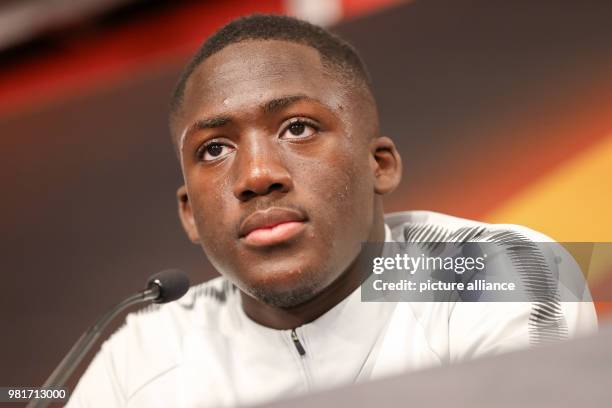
272, 226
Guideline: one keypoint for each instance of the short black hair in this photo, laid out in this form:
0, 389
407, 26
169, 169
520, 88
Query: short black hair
335, 52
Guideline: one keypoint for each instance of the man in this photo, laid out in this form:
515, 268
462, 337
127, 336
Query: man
276, 129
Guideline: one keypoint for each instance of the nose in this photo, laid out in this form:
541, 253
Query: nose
260, 170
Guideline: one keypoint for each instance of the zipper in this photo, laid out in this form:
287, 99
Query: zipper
301, 358
297, 344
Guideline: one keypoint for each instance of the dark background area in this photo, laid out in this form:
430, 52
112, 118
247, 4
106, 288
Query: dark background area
482, 98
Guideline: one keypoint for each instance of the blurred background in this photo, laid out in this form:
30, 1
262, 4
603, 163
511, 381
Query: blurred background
502, 111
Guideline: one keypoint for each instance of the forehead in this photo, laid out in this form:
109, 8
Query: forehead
245, 74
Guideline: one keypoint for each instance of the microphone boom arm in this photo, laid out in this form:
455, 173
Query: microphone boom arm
67, 366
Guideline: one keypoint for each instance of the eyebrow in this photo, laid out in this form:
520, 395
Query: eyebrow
211, 123
281, 103
202, 124
271, 106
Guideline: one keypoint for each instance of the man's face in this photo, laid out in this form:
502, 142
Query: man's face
275, 152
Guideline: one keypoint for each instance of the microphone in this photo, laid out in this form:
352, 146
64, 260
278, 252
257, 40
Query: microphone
169, 285
163, 287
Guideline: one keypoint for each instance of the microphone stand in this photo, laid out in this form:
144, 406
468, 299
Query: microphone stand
67, 366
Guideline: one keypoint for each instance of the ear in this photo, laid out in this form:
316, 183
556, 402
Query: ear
386, 165
186, 214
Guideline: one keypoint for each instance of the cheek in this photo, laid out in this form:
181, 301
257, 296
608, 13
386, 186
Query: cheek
210, 205
341, 192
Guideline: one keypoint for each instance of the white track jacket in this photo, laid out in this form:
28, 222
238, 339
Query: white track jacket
203, 351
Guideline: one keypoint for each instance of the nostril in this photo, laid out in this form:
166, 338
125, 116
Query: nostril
275, 187
247, 195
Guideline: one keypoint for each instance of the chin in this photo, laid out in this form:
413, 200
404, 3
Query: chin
285, 288
283, 299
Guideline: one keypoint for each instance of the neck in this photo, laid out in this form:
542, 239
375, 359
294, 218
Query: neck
290, 318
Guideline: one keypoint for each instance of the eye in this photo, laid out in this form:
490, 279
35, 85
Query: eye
299, 129
213, 151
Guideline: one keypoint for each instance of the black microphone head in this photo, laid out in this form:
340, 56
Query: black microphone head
172, 284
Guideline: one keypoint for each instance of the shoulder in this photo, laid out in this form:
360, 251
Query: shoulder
202, 306
150, 343
475, 327
429, 225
